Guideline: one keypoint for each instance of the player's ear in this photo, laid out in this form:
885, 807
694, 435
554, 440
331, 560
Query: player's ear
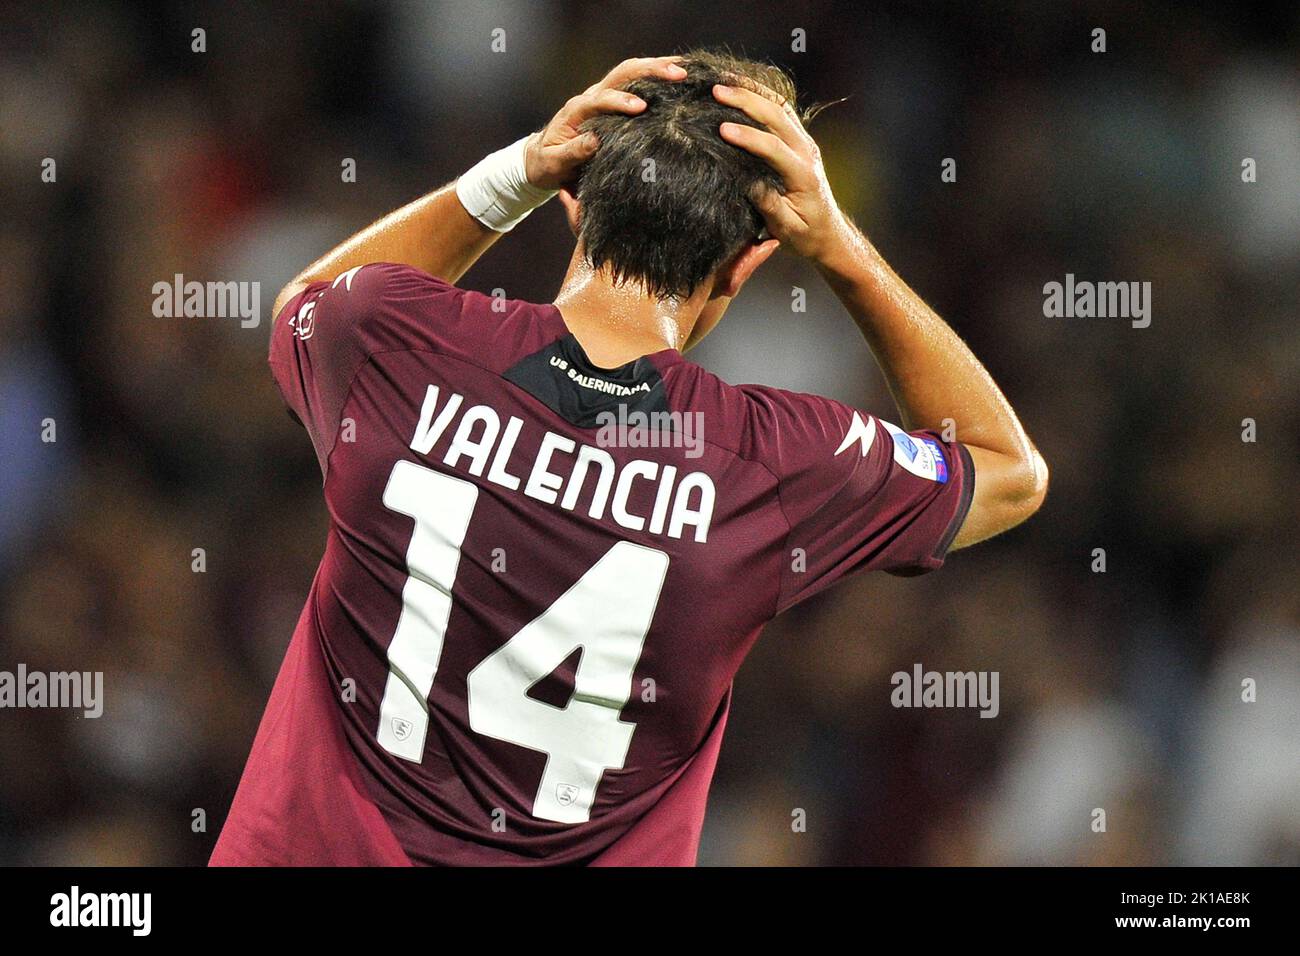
732, 275
572, 209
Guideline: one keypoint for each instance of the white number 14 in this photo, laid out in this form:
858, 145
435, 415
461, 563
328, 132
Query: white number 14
607, 613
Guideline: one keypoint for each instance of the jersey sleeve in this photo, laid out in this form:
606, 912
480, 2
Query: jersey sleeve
326, 332
858, 493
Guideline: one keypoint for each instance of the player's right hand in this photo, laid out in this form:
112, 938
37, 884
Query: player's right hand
554, 154
805, 216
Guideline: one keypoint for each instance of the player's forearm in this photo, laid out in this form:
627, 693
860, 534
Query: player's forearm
433, 233
935, 379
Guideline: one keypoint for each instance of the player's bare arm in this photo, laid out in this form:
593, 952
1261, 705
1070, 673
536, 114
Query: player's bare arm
933, 376
437, 234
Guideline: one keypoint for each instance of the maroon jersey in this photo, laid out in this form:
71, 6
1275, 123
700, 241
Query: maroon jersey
541, 577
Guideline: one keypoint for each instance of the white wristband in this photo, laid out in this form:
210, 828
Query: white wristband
496, 191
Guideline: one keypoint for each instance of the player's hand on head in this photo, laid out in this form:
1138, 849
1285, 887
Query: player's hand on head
805, 217
554, 154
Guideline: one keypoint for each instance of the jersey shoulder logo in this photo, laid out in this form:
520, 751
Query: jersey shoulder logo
859, 431
346, 278
304, 323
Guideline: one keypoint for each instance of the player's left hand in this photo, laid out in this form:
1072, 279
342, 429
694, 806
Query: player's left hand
554, 154
805, 216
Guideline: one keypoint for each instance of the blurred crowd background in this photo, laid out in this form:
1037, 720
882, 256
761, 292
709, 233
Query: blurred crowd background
1120, 690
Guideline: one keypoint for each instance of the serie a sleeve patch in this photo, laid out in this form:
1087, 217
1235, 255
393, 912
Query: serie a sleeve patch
921, 456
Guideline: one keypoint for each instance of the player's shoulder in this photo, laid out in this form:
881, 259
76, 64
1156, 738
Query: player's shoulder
379, 287
400, 307
760, 423
355, 298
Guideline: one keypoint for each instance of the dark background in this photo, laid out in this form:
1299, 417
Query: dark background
1119, 690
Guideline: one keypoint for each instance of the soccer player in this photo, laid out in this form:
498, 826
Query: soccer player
552, 538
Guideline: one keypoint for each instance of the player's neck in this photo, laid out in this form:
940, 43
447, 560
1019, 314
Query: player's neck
616, 323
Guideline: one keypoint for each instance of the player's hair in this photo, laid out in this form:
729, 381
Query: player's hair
665, 200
